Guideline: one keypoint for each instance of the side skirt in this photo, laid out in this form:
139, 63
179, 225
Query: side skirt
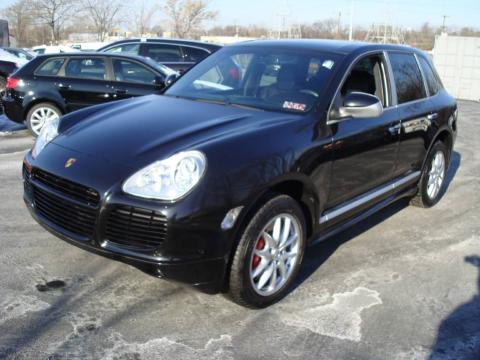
361, 216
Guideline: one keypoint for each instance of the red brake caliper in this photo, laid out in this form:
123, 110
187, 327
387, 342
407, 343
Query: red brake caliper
256, 259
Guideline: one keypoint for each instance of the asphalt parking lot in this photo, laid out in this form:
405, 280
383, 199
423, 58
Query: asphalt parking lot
401, 285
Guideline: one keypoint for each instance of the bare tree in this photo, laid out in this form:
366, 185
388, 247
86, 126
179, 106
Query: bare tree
104, 15
19, 19
54, 13
187, 17
142, 16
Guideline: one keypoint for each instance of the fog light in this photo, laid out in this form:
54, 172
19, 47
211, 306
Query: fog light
231, 217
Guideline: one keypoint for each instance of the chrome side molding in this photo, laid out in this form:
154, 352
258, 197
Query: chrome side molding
335, 212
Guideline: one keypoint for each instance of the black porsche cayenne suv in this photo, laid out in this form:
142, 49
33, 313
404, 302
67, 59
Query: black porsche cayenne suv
224, 180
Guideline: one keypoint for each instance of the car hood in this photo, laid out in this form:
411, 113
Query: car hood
145, 129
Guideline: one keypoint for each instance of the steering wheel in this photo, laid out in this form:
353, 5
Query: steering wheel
309, 92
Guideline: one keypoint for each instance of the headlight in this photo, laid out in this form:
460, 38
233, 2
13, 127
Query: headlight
168, 179
48, 133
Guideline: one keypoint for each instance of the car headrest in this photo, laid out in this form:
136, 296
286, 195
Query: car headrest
360, 81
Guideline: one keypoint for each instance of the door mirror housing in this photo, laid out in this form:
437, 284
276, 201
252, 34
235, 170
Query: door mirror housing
171, 79
159, 82
359, 105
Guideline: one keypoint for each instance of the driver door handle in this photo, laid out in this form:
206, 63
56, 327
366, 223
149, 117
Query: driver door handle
64, 87
395, 130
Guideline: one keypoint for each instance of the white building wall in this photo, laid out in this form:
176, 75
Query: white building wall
457, 60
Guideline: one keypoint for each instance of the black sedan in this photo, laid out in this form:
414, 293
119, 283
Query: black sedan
222, 182
52, 85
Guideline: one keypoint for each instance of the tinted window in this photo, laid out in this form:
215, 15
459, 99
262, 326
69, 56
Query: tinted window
367, 76
163, 53
130, 71
87, 68
432, 83
50, 67
194, 54
408, 78
125, 49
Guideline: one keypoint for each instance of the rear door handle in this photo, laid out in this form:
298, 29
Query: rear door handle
395, 130
121, 91
64, 87
433, 116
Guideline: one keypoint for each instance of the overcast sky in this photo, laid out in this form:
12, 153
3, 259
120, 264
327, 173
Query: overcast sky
406, 13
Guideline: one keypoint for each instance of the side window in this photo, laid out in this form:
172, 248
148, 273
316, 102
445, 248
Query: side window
408, 78
50, 67
163, 53
86, 68
125, 49
368, 76
130, 71
193, 54
433, 85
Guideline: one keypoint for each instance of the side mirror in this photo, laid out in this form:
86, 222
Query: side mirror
159, 82
171, 79
361, 105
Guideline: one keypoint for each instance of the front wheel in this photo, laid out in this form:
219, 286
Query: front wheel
41, 114
432, 182
268, 256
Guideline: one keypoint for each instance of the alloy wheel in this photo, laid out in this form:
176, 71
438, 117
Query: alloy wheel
276, 251
436, 175
40, 116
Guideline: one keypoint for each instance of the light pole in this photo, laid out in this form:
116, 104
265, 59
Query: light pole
352, 7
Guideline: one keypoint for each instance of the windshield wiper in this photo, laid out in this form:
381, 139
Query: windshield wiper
225, 102
243, 106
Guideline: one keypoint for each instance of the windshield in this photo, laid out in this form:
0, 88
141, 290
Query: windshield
262, 78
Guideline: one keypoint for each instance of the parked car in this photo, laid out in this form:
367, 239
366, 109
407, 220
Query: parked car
224, 180
19, 53
9, 63
179, 55
52, 85
57, 49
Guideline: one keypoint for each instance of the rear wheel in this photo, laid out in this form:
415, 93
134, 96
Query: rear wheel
268, 256
39, 115
432, 182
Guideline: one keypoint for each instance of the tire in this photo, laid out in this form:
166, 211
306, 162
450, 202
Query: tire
432, 181
249, 285
40, 113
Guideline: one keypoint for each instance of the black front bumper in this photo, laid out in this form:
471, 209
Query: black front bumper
192, 252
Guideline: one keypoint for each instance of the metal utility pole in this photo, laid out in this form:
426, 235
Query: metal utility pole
352, 7
444, 25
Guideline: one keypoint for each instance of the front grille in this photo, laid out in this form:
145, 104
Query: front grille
76, 191
72, 217
127, 225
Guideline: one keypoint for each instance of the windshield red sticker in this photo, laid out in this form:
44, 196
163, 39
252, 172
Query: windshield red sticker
294, 106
